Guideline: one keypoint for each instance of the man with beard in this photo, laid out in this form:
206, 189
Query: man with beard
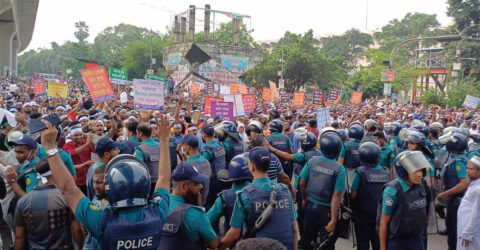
106, 149
177, 132
370, 127
128, 146
83, 119
187, 226
148, 150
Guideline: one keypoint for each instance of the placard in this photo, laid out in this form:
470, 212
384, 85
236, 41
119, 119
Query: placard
208, 103
38, 87
242, 89
224, 90
275, 94
267, 94
334, 94
317, 97
98, 84
323, 116
210, 87
298, 98
238, 107
384, 75
285, 98
233, 88
248, 103
148, 94
195, 88
59, 89
391, 75
118, 76
223, 109
387, 89
471, 102
356, 97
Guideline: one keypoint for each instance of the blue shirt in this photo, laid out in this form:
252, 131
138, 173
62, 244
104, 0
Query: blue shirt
345, 148
218, 208
390, 199
242, 209
90, 215
387, 157
357, 177
139, 154
66, 158
31, 180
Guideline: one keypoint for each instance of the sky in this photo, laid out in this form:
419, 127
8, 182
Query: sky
269, 19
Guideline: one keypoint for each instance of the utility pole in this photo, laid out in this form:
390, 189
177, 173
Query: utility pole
151, 49
366, 18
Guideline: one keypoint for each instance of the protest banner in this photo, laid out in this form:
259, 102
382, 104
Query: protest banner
242, 89
471, 102
210, 87
238, 107
384, 75
155, 78
285, 98
38, 87
195, 88
118, 76
208, 103
223, 109
148, 94
334, 94
298, 98
98, 84
391, 75
233, 88
387, 89
224, 90
59, 89
356, 97
323, 117
267, 94
317, 97
248, 103
275, 94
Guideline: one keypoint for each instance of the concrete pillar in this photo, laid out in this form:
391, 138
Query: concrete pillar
7, 30
206, 27
235, 24
191, 23
176, 30
13, 60
183, 28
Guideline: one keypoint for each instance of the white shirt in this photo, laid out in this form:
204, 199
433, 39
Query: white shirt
468, 219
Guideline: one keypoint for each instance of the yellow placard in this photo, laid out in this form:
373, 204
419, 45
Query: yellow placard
57, 89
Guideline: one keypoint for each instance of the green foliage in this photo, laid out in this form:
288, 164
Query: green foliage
349, 46
432, 96
464, 12
223, 35
82, 31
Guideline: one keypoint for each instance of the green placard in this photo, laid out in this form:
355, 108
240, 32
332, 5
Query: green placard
118, 76
155, 78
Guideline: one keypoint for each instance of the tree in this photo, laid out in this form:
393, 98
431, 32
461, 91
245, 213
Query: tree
464, 12
224, 35
82, 31
349, 46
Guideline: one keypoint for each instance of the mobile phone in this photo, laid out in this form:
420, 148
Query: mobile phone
38, 125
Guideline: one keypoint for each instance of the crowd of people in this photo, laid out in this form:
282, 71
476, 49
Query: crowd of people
108, 176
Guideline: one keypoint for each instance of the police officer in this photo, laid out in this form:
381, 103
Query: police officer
189, 151
257, 201
474, 148
387, 154
240, 177
281, 142
404, 211
148, 151
187, 226
131, 221
214, 153
392, 129
370, 127
128, 146
231, 141
254, 128
349, 156
368, 182
435, 130
454, 178
322, 184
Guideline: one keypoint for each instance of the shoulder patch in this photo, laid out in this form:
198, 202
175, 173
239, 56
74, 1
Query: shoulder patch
27, 181
93, 207
457, 168
392, 141
389, 202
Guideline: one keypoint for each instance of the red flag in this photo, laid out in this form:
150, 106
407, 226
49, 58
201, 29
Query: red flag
72, 115
339, 98
91, 65
323, 98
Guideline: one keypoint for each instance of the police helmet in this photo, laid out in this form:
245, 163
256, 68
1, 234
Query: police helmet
451, 129
438, 126
388, 128
342, 134
237, 170
231, 129
355, 132
475, 138
416, 137
308, 141
276, 126
369, 153
406, 125
255, 126
417, 123
423, 129
330, 144
458, 143
396, 127
410, 162
127, 182
370, 125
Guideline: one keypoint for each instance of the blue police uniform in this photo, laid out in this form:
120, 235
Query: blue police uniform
350, 154
283, 143
31, 180
232, 148
368, 182
129, 146
66, 158
148, 151
387, 157
137, 227
214, 153
323, 176
253, 200
474, 153
203, 166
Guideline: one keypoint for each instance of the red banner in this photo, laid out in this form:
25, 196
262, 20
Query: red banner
298, 98
208, 103
274, 89
234, 88
267, 94
248, 103
356, 97
98, 84
38, 87
195, 88
242, 89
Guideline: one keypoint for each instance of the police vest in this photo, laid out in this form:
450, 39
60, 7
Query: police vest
280, 224
119, 233
151, 156
172, 146
218, 158
228, 197
370, 189
352, 158
281, 143
204, 168
174, 236
449, 173
322, 176
410, 216
236, 148
129, 147
308, 156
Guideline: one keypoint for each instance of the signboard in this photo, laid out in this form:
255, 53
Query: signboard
223, 109
274, 89
224, 90
174, 59
155, 78
98, 84
391, 75
148, 94
210, 87
38, 87
267, 94
298, 98
242, 89
281, 83
233, 88
248, 103
356, 97
118, 76
238, 107
195, 88
334, 94
387, 89
57, 89
285, 98
317, 97
384, 75
471, 102
235, 62
323, 116
208, 103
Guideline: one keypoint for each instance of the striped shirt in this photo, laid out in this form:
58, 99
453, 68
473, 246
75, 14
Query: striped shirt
275, 168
